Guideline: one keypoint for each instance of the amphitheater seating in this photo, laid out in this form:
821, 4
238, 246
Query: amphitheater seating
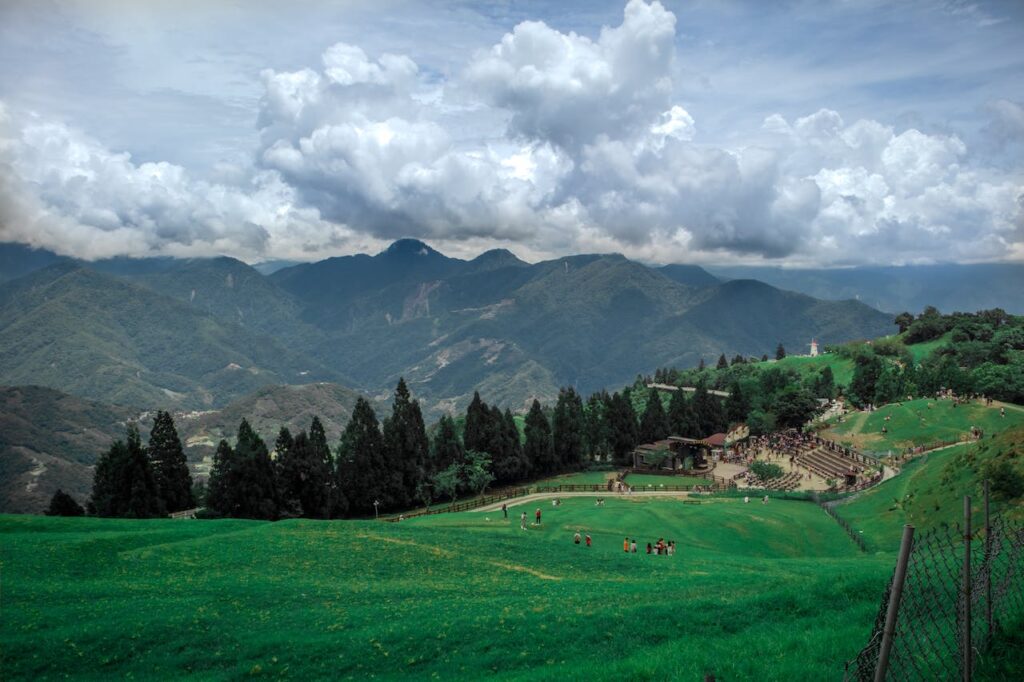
828, 464
789, 481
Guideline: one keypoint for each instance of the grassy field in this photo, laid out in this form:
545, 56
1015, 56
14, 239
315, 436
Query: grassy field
756, 591
579, 478
919, 422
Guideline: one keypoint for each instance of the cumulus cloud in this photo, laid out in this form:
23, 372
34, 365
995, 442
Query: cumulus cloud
553, 142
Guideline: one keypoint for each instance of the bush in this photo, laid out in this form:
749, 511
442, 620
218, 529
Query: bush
1005, 481
766, 470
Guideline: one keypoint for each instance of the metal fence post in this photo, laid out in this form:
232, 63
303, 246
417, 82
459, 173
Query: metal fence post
966, 591
988, 566
895, 595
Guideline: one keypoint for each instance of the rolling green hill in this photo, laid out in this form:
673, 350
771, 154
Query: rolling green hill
455, 596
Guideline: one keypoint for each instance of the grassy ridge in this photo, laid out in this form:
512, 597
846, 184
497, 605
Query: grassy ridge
454, 596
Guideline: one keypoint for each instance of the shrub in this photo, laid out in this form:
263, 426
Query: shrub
766, 470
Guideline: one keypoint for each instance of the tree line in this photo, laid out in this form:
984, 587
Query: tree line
392, 465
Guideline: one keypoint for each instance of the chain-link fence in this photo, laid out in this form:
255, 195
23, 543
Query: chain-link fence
950, 594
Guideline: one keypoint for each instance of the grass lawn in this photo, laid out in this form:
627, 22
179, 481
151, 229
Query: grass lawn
578, 478
639, 481
765, 592
920, 422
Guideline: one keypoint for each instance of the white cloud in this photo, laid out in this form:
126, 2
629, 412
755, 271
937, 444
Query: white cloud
554, 141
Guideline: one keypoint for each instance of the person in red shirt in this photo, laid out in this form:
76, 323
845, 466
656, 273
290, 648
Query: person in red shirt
536, 516
588, 539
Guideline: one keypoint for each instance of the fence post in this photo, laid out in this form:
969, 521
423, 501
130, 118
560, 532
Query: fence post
895, 595
988, 566
966, 591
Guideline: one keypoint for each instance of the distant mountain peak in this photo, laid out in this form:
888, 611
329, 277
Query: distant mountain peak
410, 247
498, 257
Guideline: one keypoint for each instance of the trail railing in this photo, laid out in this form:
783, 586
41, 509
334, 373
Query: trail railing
951, 593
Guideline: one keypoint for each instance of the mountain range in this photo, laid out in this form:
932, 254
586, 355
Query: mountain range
196, 334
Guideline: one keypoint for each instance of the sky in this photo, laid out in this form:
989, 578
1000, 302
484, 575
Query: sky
803, 134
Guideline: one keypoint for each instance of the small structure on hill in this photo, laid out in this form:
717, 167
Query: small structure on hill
814, 348
675, 453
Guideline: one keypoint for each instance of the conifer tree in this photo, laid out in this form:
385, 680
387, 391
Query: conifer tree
123, 483
217, 488
708, 411
474, 435
407, 449
622, 426
252, 478
681, 419
538, 448
737, 405
596, 426
722, 362
567, 425
446, 449
305, 480
282, 445
62, 504
654, 422
170, 468
363, 472
700, 365
780, 352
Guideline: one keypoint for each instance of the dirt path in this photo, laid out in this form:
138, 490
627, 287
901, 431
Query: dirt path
516, 501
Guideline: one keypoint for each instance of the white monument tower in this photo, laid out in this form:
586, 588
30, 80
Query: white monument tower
814, 348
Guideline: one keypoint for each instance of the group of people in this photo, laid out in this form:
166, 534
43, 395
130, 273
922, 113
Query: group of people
576, 538
659, 547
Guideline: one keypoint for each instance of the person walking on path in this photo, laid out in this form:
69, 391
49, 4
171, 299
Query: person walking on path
504, 509
522, 521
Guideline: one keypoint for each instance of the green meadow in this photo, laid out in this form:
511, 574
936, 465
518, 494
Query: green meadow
922, 422
764, 592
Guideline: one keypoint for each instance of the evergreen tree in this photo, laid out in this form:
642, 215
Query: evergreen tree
738, 360
681, 419
595, 430
737, 405
305, 480
622, 427
506, 453
282, 445
123, 483
825, 386
654, 422
252, 478
764, 358
887, 387
567, 426
793, 407
700, 365
62, 504
218, 493
780, 352
170, 468
538, 449
363, 472
722, 362
474, 435
318, 441
707, 410
447, 449
407, 449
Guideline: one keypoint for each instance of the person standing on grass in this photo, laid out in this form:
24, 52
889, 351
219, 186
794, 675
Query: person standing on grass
536, 516
576, 538
588, 539
625, 545
504, 509
632, 546
522, 521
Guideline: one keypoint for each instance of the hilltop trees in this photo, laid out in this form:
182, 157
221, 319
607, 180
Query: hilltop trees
681, 419
170, 468
363, 474
406, 448
623, 431
780, 352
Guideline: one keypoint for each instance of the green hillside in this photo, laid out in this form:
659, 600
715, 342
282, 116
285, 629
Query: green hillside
922, 422
929, 491
49, 440
452, 596
102, 338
